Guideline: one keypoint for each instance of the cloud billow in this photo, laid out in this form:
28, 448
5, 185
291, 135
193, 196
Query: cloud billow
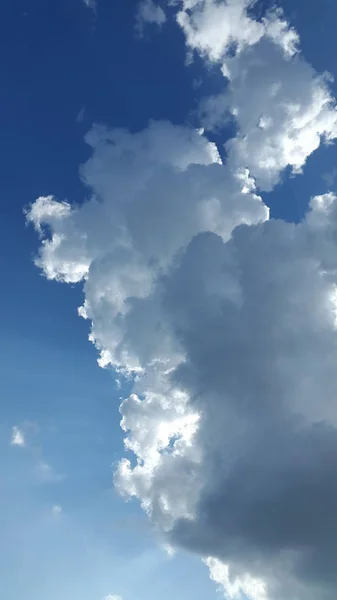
225, 320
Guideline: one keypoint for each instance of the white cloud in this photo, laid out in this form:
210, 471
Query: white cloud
18, 438
212, 27
112, 597
140, 225
234, 333
282, 107
226, 320
256, 318
149, 13
56, 510
218, 29
283, 110
253, 589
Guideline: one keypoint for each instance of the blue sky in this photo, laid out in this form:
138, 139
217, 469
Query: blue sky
66, 531
57, 59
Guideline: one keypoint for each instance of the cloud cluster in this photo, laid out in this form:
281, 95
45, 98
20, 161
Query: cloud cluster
225, 320
218, 30
154, 191
281, 107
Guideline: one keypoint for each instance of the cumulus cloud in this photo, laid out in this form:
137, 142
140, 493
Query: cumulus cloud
218, 29
283, 110
281, 106
149, 13
225, 321
120, 245
214, 28
18, 438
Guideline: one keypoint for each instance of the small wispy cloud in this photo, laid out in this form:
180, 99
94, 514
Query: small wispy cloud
47, 474
92, 4
330, 177
80, 115
18, 438
149, 13
56, 510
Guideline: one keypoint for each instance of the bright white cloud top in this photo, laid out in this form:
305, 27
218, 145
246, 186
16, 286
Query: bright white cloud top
226, 320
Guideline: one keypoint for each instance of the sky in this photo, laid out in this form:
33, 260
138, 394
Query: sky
169, 300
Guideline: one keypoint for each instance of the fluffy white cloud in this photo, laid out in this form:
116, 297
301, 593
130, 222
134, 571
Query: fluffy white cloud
149, 13
218, 29
251, 588
282, 108
225, 320
18, 438
153, 191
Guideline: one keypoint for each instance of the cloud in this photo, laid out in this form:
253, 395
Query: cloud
81, 115
112, 597
23, 437
217, 30
233, 334
56, 510
213, 28
254, 589
281, 106
18, 438
149, 13
236, 458
92, 4
330, 177
46, 473
128, 239
225, 321
289, 111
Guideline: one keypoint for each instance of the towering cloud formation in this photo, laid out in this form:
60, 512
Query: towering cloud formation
225, 320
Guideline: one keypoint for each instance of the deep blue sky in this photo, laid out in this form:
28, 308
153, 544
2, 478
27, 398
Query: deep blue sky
57, 57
